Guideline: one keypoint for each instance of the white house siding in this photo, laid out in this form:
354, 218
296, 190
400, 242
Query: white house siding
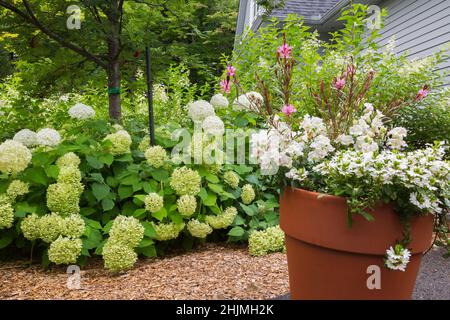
421, 27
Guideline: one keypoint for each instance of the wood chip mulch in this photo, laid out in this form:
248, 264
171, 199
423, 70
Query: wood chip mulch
210, 272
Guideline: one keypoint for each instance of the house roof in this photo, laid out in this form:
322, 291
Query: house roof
309, 9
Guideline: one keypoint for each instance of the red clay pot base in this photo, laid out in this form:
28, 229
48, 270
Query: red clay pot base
329, 260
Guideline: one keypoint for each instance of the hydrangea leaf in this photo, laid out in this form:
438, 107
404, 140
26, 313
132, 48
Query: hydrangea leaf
100, 191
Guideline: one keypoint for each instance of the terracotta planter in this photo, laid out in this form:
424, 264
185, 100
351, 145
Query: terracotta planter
329, 260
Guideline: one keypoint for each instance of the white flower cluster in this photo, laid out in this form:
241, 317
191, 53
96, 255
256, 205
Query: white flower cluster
48, 137
213, 125
200, 110
14, 157
252, 101
159, 93
81, 112
44, 137
423, 172
280, 146
367, 132
219, 101
397, 258
271, 148
396, 137
26, 137
368, 153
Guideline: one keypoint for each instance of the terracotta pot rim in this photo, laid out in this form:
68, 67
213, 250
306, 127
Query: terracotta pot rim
318, 195
322, 221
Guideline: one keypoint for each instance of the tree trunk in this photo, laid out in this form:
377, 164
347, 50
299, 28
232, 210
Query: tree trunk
114, 90
114, 47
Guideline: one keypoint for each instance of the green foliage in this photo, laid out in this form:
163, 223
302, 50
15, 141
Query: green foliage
117, 185
392, 86
194, 33
427, 122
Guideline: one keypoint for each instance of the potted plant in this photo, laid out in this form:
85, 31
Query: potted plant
358, 207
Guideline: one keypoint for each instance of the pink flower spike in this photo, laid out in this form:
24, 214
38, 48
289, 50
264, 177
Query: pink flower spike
231, 71
339, 83
351, 70
423, 92
225, 85
284, 51
288, 109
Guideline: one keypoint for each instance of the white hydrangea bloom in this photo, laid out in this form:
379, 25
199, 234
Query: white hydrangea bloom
48, 137
81, 111
26, 137
213, 125
200, 110
219, 101
14, 157
248, 101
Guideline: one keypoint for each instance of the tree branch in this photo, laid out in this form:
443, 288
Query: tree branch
30, 17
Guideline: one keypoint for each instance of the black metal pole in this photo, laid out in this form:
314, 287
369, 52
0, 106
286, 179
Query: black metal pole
151, 122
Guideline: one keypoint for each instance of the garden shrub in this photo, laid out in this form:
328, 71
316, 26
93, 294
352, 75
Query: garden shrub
95, 188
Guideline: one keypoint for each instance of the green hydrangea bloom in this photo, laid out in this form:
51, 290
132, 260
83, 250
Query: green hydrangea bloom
70, 159
266, 241
121, 142
64, 250
144, 144
198, 229
14, 157
247, 194
186, 205
30, 227
63, 198
17, 188
231, 178
126, 231
167, 231
50, 227
118, 257
185, 181
156, 156
73, 226
223, 220
205, 149
153, 202
69, 175
215, 168
6, 213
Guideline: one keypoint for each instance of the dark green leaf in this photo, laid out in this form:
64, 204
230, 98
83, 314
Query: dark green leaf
236, 232
107, 204
94, 162
125, 191
100, 190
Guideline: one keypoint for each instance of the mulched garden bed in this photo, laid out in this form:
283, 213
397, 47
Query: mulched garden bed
209, 272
